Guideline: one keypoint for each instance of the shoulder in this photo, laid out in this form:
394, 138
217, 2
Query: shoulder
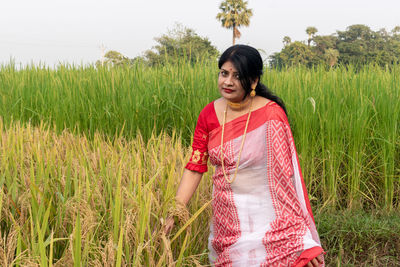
274, 112
207, 111
208, 108
207, 119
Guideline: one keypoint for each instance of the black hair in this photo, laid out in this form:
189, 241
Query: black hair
248, 62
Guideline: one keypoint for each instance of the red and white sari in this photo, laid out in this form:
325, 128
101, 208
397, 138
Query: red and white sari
264, 217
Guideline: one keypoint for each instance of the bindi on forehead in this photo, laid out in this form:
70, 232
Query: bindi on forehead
229, 69
229, 66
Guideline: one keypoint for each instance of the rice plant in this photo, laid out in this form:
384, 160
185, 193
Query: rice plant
69, 201
345, 121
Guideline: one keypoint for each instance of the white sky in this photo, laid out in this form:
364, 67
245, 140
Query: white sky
53, 31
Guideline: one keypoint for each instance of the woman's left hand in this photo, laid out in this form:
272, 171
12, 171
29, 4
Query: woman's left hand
316, 262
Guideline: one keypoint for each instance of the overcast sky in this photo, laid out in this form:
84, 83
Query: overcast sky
53, 31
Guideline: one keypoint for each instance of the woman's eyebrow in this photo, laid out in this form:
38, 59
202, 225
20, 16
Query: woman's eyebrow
235, 72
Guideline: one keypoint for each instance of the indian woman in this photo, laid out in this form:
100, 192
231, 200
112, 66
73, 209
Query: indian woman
261, 211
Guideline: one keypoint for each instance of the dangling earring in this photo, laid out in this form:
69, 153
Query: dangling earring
253, 92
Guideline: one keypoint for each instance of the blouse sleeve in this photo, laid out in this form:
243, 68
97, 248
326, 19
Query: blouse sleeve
198, 160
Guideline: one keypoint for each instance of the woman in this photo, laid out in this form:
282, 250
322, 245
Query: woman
261, 211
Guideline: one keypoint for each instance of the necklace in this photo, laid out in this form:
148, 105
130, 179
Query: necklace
241, 146
239, 105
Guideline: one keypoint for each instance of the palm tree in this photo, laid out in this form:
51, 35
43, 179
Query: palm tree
234, 14
311, 31
286, 40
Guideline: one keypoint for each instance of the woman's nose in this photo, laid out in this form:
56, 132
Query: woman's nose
228, 80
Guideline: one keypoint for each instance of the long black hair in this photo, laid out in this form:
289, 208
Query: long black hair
248, 62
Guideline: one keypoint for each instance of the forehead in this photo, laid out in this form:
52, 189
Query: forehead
228, 66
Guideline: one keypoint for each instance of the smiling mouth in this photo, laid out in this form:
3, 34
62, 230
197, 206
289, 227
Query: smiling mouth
226, 90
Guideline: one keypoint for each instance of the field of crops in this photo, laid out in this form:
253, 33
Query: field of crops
91, 158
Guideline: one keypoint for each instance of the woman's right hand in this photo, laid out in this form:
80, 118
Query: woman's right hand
169, 224
189, 182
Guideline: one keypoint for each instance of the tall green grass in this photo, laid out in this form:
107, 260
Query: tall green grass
345, 122
349, 144
110, 100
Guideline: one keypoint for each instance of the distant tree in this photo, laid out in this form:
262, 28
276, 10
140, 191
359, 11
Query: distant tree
114, 58
357, 45
296, 53
275, 60
138, 60
396, 30
234, 14
180, 43
311, 31
360, 45
323, 42
331, 56
286, 40
354, 45
396, 33
355, 32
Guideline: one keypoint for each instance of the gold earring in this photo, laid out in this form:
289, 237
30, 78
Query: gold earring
253, 92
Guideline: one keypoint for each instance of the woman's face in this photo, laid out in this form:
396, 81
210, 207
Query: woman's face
229, 83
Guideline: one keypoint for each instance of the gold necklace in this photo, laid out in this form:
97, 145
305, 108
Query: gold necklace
239, 105
241, 146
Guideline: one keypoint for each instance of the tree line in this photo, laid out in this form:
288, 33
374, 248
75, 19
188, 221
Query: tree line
357, 45
177, 45
184, 43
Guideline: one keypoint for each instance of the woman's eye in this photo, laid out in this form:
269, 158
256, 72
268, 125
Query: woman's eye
223, 73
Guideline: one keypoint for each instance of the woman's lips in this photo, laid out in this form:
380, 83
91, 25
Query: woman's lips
226, 90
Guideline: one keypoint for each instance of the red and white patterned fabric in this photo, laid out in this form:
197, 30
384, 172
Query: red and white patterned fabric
264, 217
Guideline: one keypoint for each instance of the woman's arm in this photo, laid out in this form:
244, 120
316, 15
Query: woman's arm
188, 185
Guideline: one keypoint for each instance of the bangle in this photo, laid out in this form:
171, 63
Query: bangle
179, 211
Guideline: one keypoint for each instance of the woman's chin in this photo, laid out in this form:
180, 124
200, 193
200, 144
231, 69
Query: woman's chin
231, 97
234, 100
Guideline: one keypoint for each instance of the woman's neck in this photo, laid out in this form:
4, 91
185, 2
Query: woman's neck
239, 106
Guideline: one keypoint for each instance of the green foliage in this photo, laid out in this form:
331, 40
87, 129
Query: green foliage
360, 238
331, 56
234, 14
357, 45
114, 58
360, 45
324, 42
97, 196
345, 122
180, 44
293, 54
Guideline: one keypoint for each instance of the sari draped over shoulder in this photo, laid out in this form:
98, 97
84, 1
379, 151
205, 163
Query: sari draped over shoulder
264, 217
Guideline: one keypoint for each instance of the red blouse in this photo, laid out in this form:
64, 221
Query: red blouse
206, 122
